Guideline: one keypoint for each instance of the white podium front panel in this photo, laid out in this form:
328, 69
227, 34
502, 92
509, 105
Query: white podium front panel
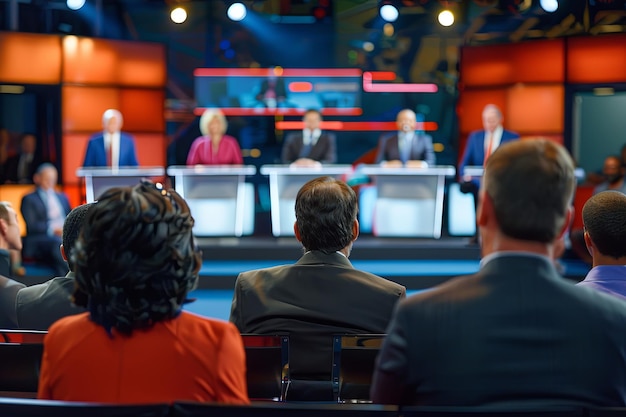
100, 179
285, 182
409, 201
221, 203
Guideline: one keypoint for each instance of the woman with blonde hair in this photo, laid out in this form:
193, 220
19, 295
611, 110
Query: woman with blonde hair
214, 147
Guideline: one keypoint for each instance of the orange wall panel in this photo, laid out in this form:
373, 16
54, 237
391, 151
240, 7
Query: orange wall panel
30, 58
151, 149
83, 107
596, 59
101, 61
143, 110
532, 109
74, 147
537, 61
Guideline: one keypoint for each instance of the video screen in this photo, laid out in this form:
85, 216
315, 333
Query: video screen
269, 91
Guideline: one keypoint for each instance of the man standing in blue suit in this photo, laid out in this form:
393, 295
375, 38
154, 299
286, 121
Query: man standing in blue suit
482, 143
111, 147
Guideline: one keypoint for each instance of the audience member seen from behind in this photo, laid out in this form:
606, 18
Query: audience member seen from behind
515, 333
20, 168
408, 146
604, 217
214, 147
311, 147
111, 147
9, 240
136, 344
44, 212
321, 294
613, 175
38, 306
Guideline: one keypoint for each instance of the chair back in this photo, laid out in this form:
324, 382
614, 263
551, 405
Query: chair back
526, 411
20, 359
267, 365
354, 359
282, 409
21, 407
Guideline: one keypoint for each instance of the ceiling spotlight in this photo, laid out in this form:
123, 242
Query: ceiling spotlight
236, 12
549, 5
389, 13
446, 18
75, 4
178, 15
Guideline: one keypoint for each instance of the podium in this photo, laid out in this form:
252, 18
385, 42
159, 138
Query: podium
100, 179
409, 201
285, 181
221, 202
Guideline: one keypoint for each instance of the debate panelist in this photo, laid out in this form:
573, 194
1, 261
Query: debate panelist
408, 146
312, 146
214, 147
111, 147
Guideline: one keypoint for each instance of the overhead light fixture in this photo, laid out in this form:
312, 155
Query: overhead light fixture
446, 18
389, 13
236, 12
549, 5
178, 15
75, 4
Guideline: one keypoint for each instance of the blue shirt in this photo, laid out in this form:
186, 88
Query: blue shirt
607, 278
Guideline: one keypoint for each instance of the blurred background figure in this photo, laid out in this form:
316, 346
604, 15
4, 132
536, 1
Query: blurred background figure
20, 168
111, 147
312, 146
44, 211
272, 92
214, 147
408, 146
135, 334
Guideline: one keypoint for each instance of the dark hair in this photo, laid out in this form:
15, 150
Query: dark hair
531, 184
135, 258
71, 229
326, 209
604, 217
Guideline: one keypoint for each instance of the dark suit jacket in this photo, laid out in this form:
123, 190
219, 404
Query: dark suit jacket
515, 333
95, 156
40, 305
318, 296
35, 216
11, 166
474, 154
324, 150
421, 149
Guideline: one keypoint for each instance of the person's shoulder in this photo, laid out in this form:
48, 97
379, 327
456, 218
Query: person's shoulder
379, 283
195, 325
68, 325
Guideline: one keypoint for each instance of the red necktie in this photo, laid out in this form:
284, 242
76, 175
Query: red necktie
489, 138
109, 152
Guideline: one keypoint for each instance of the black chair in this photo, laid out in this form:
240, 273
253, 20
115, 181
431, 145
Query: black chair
267, 365
526, 411
606, 412
190, 409
20, 359
20, 407
354, 359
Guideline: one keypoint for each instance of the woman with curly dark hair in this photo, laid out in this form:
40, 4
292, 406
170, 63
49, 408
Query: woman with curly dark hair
135, 263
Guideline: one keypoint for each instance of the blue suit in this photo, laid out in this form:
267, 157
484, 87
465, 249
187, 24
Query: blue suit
474, 154
96, 155
421, 149
38, 243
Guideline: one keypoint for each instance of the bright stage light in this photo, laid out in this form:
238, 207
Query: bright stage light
178, 15
75, 4
236, 12
446, 18
389, 13
549, 5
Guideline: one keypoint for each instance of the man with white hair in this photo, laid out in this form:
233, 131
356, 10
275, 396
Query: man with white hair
111, 147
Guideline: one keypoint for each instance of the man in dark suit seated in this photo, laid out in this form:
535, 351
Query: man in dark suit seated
312, 146
44, 211
40, 305
321, 294
516, 333
20, 168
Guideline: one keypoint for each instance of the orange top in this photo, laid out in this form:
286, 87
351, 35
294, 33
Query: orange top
187, 358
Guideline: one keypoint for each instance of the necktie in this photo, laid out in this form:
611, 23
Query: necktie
109, 151
306, 145
489, 138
